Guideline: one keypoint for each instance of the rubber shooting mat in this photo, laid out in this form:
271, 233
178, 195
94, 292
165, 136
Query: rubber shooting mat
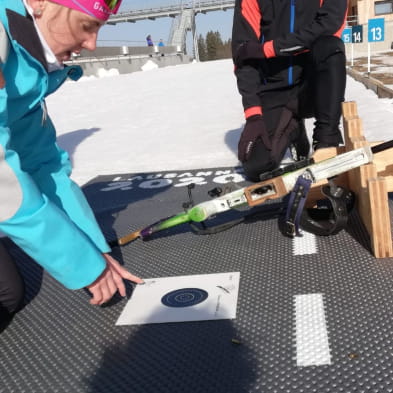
314, 314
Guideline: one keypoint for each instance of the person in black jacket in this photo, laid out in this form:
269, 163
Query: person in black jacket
290, 65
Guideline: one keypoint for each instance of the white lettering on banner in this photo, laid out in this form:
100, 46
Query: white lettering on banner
155, 183
159, 180
190, 180
186, 174
226, 172
120, 185
135, 178
130, 179
232, 178
170, 175
155, 176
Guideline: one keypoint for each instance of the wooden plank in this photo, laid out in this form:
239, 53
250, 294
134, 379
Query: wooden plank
381, 238
355, 176
349, 109
361, 175
370, 188
384, 163
354, 128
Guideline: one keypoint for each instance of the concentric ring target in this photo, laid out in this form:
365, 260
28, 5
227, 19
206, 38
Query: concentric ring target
185, 297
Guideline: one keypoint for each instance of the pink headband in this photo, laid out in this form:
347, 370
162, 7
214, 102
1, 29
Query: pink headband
96, 8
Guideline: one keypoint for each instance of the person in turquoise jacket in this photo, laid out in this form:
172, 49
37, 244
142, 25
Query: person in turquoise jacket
42, 210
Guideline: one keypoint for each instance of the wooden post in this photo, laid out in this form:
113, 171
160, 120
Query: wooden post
370, 185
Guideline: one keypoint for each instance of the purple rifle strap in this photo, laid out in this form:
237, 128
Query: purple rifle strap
295, 206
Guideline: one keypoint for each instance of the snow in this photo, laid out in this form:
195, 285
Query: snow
149, 65
175, 118
102, 72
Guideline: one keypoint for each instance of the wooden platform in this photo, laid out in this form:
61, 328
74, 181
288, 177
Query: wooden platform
371, 183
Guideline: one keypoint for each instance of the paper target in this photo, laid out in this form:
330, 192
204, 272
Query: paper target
200, 297
185, 297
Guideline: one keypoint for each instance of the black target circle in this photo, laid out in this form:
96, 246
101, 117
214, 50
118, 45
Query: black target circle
185, 297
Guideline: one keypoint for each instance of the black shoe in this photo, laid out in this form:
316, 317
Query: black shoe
300, 146
329, 138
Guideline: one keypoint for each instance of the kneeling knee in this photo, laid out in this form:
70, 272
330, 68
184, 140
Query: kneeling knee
13, 297
12, 287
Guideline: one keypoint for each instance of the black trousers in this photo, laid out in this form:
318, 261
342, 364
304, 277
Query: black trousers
319, 95
324, 92
11, 287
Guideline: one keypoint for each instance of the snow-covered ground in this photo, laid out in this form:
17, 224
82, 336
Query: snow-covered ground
180, 117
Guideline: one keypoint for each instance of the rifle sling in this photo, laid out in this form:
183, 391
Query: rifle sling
297, 199
331, 216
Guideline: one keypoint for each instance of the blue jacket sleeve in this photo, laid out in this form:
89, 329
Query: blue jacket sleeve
50, 168
54, 223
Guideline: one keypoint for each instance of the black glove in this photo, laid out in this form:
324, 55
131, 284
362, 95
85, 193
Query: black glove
254, 129
248, 50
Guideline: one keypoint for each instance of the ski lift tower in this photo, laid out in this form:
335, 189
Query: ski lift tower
184, 22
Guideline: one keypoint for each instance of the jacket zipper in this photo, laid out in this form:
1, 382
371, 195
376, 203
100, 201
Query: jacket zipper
291, 30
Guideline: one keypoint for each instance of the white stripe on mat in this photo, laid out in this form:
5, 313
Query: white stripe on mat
312, 344
304, 244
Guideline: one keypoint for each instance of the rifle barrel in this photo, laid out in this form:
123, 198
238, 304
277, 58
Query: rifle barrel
382, 147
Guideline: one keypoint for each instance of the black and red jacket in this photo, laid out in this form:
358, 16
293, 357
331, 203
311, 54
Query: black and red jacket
286, 29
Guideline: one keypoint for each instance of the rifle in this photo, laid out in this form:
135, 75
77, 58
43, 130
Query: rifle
275, 185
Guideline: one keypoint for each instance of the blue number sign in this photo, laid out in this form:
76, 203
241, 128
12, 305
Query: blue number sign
376, 30
346, 35
357, 34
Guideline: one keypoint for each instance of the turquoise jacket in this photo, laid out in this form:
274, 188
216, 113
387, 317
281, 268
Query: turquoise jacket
41, 209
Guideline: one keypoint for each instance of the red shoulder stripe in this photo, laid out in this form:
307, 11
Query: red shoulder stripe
252, 14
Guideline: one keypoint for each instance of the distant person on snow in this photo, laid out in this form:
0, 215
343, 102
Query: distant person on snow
149, 40
42, 210
161, 43
290, 65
